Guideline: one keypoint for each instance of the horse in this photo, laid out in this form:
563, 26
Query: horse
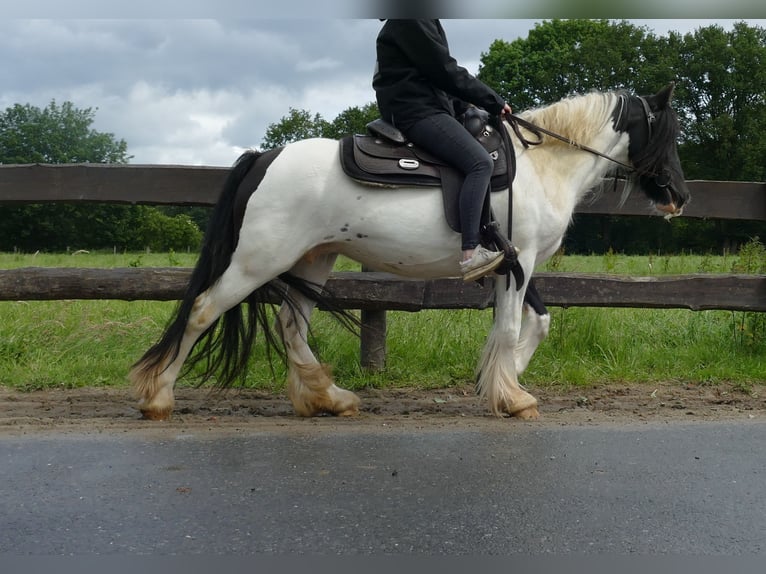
283, 216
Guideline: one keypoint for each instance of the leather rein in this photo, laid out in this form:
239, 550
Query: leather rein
515, 121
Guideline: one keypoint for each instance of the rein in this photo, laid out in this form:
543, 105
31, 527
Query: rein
515, 121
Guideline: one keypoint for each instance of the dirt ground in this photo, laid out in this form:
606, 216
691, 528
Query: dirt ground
89, 410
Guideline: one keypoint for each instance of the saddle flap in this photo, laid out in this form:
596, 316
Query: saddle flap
378, 156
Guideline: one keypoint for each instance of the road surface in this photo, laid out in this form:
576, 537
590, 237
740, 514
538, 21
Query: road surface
477, 486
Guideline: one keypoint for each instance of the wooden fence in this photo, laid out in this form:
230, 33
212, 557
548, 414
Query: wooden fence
373, 293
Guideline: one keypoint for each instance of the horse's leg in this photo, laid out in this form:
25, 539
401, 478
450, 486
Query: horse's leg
534, 327
498, 378
248, 270
154, 386
309, 384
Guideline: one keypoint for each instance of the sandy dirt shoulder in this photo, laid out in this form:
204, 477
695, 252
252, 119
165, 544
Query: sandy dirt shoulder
98, 410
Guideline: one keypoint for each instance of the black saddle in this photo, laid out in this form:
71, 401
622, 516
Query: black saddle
386, 158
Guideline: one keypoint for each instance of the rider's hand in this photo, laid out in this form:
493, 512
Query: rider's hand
506, 111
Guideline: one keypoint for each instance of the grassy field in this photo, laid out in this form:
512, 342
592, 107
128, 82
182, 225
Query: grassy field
46, 344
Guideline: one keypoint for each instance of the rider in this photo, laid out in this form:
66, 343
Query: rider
420, 89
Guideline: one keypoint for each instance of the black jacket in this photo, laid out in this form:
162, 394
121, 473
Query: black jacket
415, 75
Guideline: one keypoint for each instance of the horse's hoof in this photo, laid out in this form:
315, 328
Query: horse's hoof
524, 408
345, 403
156, 414
527, 414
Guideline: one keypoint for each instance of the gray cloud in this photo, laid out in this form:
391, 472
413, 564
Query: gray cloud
198, 91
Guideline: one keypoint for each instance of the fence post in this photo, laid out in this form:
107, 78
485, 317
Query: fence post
373, 339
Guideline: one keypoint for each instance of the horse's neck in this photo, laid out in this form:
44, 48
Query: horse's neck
584, 120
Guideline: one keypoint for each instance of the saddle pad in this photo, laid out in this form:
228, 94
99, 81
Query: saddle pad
373, 160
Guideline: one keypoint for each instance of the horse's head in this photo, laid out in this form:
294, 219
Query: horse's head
653, 128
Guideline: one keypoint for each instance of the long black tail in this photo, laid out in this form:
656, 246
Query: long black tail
224, 348
215, 255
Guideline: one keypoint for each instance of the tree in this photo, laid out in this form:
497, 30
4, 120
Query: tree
63, 134
564, 57
722, 102
56, 134
721, 98
720, 76
720, 90
352, 121
299, 125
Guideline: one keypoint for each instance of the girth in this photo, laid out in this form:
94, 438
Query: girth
386, 159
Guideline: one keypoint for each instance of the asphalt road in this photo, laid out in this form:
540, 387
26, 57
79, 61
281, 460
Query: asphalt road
649, 489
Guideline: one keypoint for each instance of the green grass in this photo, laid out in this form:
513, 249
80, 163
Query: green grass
45, 344
100, 259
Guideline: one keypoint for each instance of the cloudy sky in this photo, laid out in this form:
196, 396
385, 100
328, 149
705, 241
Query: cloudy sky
199, 91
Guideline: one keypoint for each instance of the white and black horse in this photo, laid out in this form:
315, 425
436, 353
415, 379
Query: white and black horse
284, 216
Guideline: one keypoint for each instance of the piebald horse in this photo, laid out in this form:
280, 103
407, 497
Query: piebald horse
283, 217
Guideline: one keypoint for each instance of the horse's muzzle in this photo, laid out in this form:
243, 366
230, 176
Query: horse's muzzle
674, 206
670, 210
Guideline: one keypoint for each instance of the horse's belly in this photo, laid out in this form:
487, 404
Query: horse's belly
401, 231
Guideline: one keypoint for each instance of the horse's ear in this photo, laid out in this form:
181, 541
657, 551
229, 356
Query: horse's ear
661, 99
668, 91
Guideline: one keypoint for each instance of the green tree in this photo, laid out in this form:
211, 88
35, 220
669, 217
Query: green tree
720, 90
564, 57
63, 134
721, 98
351, 121
160, 232
296, 125
300, 125
56, 134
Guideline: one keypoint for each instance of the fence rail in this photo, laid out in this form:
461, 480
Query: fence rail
190, 185
373, 293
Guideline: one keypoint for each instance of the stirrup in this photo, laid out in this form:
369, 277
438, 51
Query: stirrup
510, 262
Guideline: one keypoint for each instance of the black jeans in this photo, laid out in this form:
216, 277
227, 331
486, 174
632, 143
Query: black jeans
443, 136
